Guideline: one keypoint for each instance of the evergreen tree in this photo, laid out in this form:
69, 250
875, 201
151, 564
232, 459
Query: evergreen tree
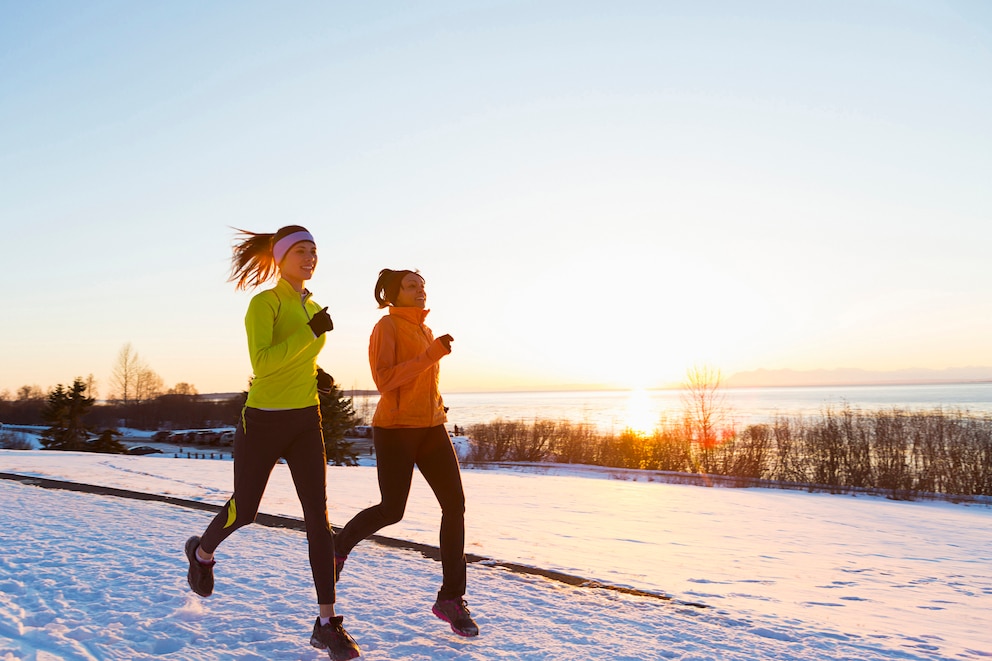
107, 443
64, 413
337, 416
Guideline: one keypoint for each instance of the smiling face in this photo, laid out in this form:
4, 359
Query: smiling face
412, 293
299, 263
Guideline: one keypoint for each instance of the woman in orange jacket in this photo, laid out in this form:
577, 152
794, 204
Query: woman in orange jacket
408, 430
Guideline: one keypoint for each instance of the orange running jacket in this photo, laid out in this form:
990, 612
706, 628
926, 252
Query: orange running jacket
404, 355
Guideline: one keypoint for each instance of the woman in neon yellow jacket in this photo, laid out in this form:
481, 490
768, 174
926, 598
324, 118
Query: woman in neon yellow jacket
286, 330
407, 431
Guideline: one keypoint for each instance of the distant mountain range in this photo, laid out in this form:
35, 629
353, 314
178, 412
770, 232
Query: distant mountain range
856, 377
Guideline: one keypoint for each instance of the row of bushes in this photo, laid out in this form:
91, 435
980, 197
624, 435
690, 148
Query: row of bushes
904, 453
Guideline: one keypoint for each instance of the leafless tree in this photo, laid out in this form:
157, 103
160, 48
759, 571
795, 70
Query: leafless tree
91, 386
148, 385
132, 381
29, 393
124, 376
705, 411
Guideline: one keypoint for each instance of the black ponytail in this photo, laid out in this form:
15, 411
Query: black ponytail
387, 287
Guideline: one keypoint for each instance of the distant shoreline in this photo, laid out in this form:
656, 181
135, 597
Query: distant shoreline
724, 386
872, 384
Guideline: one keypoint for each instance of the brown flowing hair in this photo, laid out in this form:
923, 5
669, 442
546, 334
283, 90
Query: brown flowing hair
252, 263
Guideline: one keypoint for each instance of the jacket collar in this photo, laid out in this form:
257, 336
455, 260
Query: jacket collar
413, 315
283, 288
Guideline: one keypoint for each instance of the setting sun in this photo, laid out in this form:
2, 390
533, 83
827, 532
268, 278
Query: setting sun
642, 413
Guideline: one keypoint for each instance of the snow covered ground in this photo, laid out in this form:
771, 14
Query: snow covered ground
781, 575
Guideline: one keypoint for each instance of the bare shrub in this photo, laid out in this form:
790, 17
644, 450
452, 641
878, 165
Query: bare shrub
825, 450
747, 453
628, 450
789, 465
891, 454
901, 453
495, 440
536, 446
573, 443
857, 437
671, 449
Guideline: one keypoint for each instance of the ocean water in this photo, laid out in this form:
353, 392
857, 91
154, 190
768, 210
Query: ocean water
642, 409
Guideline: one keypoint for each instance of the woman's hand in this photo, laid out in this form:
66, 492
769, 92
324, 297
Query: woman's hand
321, 322
446, 340
325, 382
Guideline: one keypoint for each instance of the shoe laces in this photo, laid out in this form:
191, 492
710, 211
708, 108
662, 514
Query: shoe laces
460, 605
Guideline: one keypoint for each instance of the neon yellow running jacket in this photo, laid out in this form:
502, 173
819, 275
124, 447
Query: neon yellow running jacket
282, 348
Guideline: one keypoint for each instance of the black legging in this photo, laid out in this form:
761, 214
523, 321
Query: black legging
259, 442
430, 450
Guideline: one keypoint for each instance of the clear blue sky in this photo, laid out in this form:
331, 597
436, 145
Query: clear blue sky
598, 193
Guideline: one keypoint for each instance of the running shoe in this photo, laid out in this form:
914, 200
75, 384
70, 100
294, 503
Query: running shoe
332, 637
200, 575
455, 612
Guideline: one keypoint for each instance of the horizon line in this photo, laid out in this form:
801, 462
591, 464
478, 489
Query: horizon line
595, 388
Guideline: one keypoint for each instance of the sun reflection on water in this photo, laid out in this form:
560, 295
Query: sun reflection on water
641, 414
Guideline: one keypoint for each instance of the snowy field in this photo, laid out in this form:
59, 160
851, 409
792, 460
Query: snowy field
777, 575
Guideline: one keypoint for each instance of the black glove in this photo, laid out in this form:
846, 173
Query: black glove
321, 323
325, 382
446, 340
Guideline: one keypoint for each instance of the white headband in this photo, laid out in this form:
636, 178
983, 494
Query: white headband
282, 246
